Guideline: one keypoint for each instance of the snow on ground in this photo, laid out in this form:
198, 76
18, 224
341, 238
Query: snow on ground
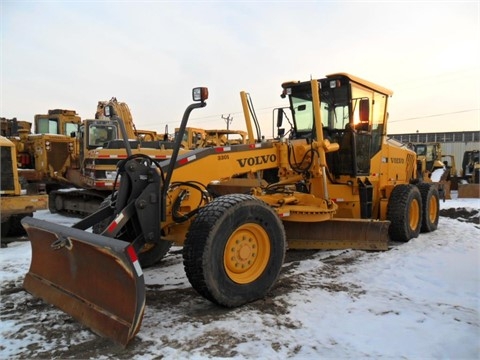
418, 300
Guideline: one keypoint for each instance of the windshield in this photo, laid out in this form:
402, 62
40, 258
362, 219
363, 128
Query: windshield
334, 107
421, 150
100, 134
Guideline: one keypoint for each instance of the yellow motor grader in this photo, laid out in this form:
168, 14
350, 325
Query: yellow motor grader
332, 181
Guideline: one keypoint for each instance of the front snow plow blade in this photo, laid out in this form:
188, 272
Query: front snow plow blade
95, 279
359, 234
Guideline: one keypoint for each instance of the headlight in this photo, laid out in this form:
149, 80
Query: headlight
200, 94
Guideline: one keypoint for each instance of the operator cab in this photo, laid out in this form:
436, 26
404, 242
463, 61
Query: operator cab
100, 133
97, 133
51, 124
353, 113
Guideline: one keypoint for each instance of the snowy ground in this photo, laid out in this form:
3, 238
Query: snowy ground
418, 300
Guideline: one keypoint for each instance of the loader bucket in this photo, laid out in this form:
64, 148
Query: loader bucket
337, 234
95, 279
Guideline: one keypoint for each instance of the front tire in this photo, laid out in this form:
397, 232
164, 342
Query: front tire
430, 206
234, 250
404, 211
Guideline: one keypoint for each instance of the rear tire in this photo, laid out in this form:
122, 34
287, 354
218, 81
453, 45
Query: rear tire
234, 250
430, 206
404, 211
151, 254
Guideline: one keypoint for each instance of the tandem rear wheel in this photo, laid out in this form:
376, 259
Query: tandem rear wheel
430, 206
411, 210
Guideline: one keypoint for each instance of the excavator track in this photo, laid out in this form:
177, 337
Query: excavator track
75, 202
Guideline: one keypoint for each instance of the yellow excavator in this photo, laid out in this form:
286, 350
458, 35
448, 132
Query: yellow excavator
331, 181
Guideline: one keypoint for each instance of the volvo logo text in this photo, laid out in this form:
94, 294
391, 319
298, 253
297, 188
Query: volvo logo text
257, 160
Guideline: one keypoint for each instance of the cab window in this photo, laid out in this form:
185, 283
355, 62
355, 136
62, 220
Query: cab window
100, 134
47, 126
70, 128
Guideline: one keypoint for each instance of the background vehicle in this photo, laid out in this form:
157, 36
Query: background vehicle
45, 156
224, 137
101, 146
430, 154
81, 156
471, 166
469, 186
15, 202
334, 182
122, 110
431, 168
194, 138
10, 127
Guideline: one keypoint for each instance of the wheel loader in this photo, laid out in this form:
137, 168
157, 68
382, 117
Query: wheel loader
331, 181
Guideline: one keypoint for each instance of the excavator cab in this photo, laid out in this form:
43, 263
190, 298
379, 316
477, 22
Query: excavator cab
101, 132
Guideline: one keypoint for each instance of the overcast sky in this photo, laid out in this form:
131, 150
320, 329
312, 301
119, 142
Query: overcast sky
71, 54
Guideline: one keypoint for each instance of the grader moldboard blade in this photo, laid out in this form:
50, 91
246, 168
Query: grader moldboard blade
95, 279
359, 234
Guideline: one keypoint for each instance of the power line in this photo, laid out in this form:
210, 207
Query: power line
434, 115
210, 117
228, 119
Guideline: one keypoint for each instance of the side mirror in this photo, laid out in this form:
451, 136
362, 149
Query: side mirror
108, 111
279, 118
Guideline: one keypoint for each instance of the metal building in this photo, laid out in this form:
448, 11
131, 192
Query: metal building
453, 143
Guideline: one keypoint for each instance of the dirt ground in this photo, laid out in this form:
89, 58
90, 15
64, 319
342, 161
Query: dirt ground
57, 327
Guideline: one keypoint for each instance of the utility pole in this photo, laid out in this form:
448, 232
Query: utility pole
228, 120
